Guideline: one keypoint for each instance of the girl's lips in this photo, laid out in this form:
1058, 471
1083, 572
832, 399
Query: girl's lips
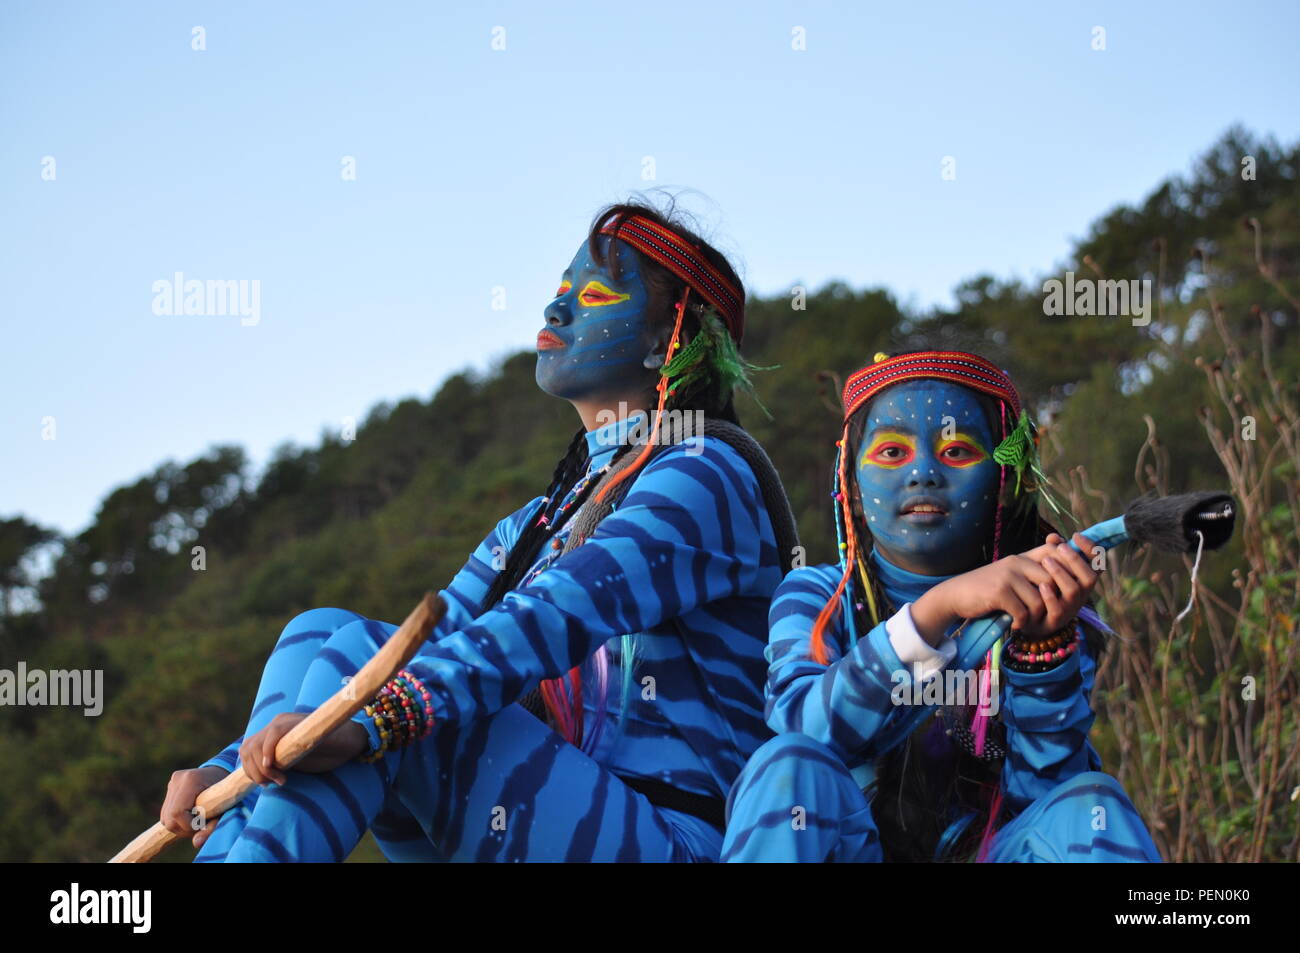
548, 341
923, 510
924, 516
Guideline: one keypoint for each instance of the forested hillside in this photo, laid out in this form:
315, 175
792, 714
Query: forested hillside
1203, 396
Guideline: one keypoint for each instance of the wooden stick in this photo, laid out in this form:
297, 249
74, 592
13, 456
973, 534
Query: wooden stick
230, 790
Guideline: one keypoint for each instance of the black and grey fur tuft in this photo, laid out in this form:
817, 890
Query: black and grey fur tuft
1171, 523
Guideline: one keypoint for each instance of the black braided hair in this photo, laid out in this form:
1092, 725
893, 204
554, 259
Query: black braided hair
568, 470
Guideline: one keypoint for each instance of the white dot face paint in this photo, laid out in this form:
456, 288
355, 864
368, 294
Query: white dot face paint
920, 480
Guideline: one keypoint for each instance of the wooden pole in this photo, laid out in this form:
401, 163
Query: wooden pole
230, 790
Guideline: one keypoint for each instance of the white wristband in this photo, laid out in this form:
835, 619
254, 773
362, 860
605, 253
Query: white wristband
912, 650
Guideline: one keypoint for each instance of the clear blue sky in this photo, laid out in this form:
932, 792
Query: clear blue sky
479, 168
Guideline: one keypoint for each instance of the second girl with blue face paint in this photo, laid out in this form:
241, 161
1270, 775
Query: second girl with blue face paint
936, 483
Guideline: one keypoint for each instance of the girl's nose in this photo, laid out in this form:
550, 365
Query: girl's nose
926, 471
558, 313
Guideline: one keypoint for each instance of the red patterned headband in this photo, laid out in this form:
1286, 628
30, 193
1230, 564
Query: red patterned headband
685, 261
970, 370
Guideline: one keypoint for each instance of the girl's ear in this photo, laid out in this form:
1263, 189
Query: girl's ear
656, 357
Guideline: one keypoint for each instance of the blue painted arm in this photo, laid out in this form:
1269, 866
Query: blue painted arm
845, 705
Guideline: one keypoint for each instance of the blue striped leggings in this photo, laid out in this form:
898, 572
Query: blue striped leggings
504, 788
796, 801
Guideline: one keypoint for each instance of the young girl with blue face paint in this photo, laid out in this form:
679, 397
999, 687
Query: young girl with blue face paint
936, 483
642, 555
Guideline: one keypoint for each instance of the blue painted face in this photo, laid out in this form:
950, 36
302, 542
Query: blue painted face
596, 338
926, 473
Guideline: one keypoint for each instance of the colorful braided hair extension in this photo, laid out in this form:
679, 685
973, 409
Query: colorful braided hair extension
705, 370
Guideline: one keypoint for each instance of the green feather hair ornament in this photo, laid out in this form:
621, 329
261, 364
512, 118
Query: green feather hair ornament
1019, 451
713, 348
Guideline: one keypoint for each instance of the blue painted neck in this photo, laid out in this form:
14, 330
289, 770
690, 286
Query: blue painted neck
899, 584
603, 441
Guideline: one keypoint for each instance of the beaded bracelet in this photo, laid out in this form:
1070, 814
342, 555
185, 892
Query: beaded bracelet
1020, 647
1058, 654
402, 713
1031, 662
1056, 639
390, 720
1043, 645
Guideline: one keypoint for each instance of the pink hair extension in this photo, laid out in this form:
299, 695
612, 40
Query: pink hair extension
557, 705
600, 662
986, 842
980, 723
563, 697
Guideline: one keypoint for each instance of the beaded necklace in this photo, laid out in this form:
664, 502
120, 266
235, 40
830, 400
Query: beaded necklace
560, 517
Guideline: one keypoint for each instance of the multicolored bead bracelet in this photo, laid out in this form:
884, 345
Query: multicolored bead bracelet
402, 713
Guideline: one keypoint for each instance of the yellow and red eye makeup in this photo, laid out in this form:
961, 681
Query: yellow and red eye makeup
595, 295
890, 449
565, 285
961, 451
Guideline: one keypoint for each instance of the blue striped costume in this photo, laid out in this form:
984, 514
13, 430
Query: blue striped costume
688, 561
801, 796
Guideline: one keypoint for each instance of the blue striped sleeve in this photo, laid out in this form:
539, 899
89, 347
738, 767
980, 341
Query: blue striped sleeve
463, 596
687, 534
227, 757
846, 704
1047, 716
465, 593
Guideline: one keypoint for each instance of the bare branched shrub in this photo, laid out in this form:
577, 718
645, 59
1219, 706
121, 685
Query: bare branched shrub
1199, 719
